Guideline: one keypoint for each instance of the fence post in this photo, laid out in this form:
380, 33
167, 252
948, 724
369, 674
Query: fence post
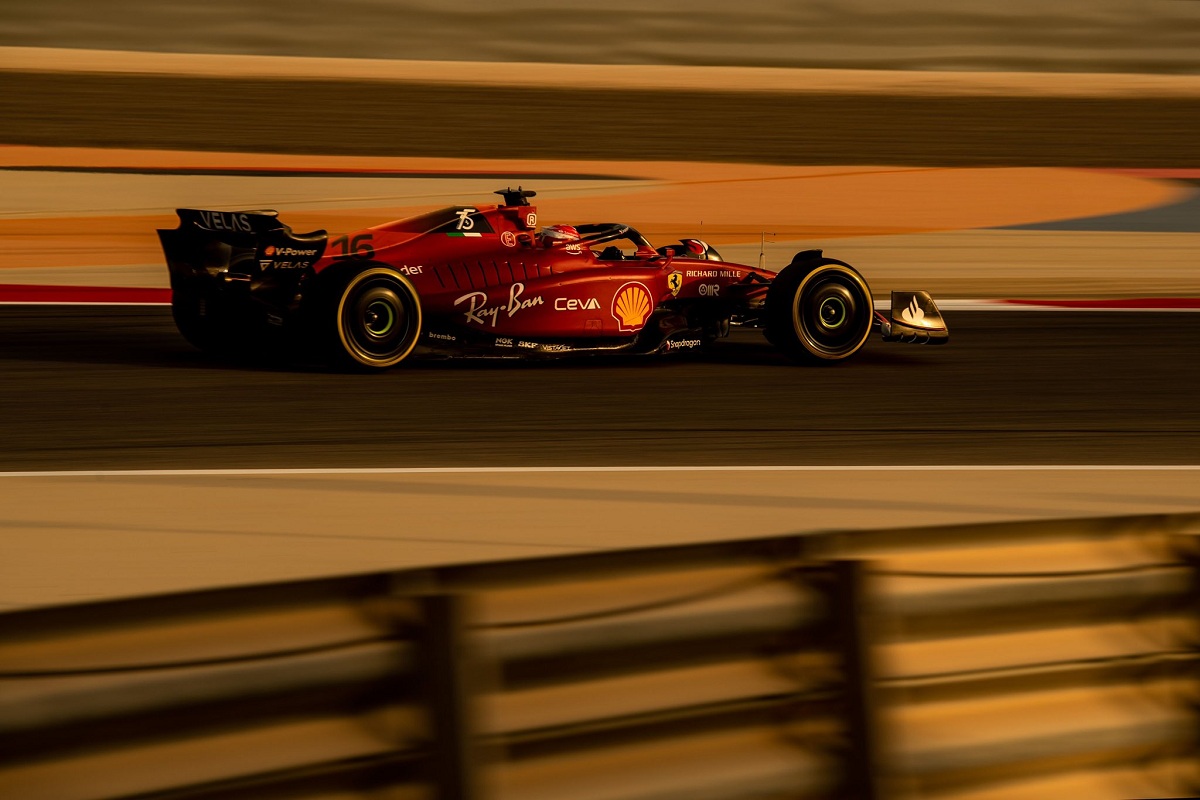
447, 682
852, 614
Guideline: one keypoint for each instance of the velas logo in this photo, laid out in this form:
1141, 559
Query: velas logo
222, 221
631, 307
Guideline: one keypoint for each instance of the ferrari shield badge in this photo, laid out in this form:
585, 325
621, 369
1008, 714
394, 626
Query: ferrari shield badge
675, 283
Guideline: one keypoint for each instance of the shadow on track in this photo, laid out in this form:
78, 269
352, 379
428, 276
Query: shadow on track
146, 336
107, 387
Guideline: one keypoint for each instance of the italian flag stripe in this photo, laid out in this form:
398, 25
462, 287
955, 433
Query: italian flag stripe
463, 233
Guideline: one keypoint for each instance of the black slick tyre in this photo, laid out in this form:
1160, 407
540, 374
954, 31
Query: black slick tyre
377, 319
819, 311
202, 321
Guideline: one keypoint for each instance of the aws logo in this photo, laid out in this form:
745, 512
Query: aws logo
632, 306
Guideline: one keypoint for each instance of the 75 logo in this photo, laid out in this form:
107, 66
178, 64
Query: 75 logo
465, 223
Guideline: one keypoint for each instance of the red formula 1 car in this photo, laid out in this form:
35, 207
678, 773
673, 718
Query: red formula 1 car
483, 281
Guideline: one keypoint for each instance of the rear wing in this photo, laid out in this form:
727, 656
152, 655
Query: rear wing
237, 245
232, 223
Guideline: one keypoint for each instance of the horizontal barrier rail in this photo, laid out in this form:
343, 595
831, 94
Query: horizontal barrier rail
937, 662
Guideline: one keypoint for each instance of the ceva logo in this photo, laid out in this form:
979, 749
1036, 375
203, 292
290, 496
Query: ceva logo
631, 307
572, 304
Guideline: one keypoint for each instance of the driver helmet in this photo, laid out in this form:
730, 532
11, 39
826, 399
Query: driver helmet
559, 234
695, 248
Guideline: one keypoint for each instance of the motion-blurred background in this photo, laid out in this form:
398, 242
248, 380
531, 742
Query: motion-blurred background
968, 572
1073, 35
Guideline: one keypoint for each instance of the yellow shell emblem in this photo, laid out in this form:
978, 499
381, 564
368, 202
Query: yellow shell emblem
631, 307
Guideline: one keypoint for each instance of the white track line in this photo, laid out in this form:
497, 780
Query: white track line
1015, 305
128, 303
170, 473
881, 306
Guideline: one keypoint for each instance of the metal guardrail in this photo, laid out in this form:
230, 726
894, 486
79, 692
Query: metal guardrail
935, 662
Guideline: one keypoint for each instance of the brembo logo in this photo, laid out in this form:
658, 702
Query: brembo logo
631, 306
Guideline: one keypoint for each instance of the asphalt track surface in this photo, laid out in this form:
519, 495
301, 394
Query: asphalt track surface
117, 388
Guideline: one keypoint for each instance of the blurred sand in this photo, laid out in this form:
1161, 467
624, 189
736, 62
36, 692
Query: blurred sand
85, 537
1077, 35
657, 77
933, 228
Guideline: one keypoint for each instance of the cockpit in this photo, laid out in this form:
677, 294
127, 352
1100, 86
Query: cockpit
611, 241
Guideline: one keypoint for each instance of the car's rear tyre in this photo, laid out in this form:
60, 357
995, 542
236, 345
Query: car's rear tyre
378, 319
203, 321
819, 311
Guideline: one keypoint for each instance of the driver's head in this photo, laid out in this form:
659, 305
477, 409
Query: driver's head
559, 235
695, 248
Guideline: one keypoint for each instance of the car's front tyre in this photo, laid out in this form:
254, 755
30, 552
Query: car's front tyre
377, 319
819, 311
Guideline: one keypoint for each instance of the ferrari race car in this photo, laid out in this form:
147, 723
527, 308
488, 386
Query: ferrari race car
484, 281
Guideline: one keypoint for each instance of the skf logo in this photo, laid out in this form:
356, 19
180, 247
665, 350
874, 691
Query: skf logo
675, 283
631, 307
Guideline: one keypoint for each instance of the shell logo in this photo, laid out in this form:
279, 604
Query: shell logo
270, 251
632, 306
